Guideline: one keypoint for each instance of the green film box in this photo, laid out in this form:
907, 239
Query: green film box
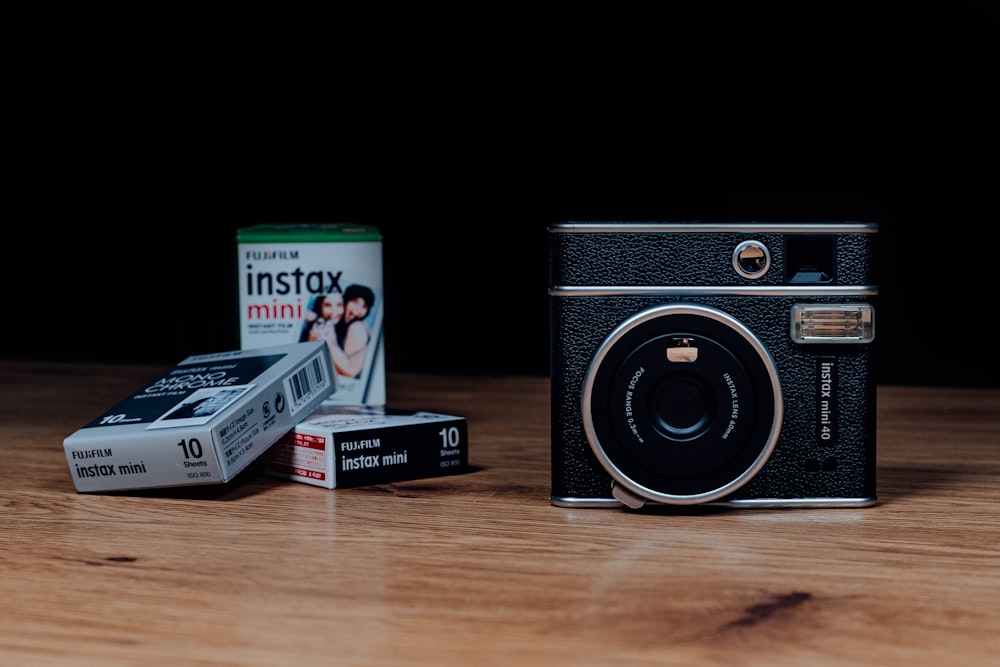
317, 281
203, 422
342, 446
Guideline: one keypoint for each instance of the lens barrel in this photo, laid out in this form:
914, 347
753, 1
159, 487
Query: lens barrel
682, 404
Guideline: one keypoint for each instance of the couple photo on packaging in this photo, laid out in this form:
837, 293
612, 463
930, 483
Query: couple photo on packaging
347, 322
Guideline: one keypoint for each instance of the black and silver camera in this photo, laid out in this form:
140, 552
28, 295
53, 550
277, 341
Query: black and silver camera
697, 363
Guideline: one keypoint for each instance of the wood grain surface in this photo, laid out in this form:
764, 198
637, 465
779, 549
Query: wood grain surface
479, 568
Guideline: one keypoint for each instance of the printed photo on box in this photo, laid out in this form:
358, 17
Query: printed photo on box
348, 322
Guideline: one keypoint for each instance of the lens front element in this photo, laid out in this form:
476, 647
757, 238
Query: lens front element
682, 408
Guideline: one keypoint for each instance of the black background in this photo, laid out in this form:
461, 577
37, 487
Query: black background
462, 145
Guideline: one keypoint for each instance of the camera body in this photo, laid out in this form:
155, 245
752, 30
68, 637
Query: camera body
712, 363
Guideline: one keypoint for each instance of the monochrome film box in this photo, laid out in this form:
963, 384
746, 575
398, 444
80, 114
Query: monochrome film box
203, 422
344, 446
286, 272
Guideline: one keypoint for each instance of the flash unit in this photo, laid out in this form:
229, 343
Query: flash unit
833, 323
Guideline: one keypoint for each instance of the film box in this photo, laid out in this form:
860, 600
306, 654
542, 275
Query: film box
203, 422
290, 278
344, 446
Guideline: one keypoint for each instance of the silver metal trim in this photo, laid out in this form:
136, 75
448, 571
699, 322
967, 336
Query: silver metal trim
764, 503
644, 493
749, 503
559, 501
750, 290
701, 227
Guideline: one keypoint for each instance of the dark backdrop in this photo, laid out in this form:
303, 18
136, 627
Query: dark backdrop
125, 250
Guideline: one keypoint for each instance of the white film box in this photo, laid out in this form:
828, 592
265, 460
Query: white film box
203, 422
345, 446
317, 281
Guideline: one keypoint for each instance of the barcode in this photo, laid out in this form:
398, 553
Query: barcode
306, 382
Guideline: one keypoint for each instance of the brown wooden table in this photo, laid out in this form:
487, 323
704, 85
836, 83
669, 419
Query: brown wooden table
479, 568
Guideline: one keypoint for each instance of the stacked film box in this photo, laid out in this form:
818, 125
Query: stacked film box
340, 446
203, 422
286, 272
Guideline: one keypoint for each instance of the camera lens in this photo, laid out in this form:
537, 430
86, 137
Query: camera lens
682, 408
682, 404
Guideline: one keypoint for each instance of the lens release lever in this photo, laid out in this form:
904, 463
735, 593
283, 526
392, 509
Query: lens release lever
626, 497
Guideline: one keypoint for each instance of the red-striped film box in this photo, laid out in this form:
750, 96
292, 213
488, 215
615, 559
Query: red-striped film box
345, 446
